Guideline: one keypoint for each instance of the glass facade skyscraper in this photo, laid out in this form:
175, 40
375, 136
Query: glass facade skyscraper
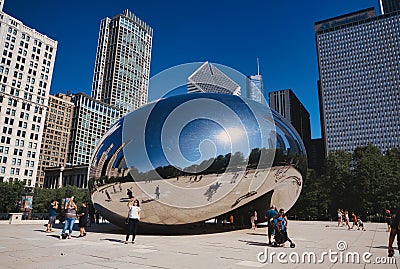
122, 68
359, 71
255, 88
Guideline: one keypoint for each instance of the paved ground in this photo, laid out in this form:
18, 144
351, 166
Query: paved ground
28, 246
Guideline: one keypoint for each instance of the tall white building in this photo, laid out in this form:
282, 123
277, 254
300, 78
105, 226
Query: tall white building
122, 68
26, 69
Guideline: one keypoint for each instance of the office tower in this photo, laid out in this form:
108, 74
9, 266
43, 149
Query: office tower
388, 6
255, 87
122, 67
208, 78
26, 69
359, 66
90, 121
53, 152
286, 103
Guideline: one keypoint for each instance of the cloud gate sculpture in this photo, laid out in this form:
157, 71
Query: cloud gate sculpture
194, 157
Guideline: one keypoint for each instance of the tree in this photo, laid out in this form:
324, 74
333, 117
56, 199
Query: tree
11, 194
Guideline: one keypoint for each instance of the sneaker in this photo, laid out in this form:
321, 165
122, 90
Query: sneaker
133, 242
60, 237
69, 236
126, 242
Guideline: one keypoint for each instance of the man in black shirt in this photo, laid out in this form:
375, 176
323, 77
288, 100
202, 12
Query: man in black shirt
394, 230
82, 219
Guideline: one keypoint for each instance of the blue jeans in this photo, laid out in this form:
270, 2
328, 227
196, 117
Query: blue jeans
69, 224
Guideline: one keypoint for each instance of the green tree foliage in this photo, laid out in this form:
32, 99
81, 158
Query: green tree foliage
365, 181
11, 194
43, 197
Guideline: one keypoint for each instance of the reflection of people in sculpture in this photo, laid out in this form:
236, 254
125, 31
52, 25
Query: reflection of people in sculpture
129, 193
108, 196
157, 192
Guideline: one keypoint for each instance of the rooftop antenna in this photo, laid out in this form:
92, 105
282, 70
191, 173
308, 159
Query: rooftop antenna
258, 67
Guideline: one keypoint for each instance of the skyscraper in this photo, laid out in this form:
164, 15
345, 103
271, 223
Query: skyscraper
208, 78
255, 87
26, 70
388, 6
122, 68
359, 67
286, 103
53, 152
90, 121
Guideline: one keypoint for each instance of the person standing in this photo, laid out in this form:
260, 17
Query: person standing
134, 218
70, 217
157, 192
52, 216
83, 216
253, 219
270, 214
394, 231
388, 219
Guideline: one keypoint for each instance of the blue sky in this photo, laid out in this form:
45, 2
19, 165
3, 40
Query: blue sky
233, 33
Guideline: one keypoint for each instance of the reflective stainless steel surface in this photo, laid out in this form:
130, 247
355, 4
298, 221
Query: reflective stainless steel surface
193, 157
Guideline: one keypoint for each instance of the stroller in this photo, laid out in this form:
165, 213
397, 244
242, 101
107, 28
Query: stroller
280, 233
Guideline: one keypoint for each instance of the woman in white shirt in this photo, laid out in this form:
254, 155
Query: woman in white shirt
134, 217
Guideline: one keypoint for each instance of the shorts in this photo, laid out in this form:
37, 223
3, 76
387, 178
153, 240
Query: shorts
52, 220
270, 228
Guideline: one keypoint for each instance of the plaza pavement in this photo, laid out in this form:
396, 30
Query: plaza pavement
28, 246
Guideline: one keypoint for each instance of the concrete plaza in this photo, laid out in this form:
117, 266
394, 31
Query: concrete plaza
28, 246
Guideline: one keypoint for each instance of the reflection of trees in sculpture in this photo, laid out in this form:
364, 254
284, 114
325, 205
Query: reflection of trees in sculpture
218, 165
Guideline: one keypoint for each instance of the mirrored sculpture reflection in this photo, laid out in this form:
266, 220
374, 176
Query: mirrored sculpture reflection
193, 157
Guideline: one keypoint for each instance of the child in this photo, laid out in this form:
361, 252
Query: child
360, 224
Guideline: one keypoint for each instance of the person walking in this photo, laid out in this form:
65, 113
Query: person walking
134, 218
70, 217
354, 219
269, 215
347, 220
52, 216
83, 216
394, 231
157, 192
253, 219
340, 217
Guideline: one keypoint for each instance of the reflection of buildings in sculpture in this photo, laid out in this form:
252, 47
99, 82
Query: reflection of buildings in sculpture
99, 166
71, 175
209, 79
114, 168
